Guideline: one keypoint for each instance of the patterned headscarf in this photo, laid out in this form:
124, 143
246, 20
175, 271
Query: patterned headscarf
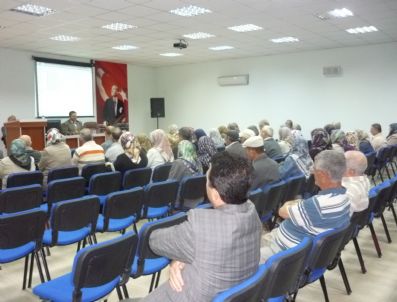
161, 143
393, 129
187, 152
199, 133
54, 136
206, 149
217, 138
18, 155
127, 140
300, 153
320, 142
339, 137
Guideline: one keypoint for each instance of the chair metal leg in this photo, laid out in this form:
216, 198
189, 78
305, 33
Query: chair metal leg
386, 228
344, 276
125, 291
94, 238
135, 228
30, 271
324, 288
359, 255
119, 294
78, 246
391, 207
89, 240
158, 279
25, 271
48, 251
375, 240
380, 174
39, 268
45, 264
152, 282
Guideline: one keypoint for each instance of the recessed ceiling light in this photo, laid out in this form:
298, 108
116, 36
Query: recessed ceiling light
285, 40
171, 54
190, 11
34, 10
64, 38
125, 47
199, 35
340, 13
362, 30
245, 27
118, 26
223, 47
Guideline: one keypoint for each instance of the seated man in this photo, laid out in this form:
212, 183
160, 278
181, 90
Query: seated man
115, 149
217, 248
72, 126
329, 209
233, 145
29, 150
355, 181
272, 148
265, 169
89, 152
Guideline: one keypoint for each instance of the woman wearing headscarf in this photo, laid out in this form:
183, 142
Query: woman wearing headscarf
187, 163
18, 161
298, 162
217, 139
363, 142
133, 156
285, 139
161, 151
197, 134
320, 142
55, 155
391, 139
206, 149
339, 141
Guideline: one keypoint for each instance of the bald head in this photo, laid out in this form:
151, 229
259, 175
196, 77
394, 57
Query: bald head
27, 139
356, 163
85, 135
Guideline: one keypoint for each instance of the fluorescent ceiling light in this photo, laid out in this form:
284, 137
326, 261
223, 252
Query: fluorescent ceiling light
362, 30
171, 54
340, 13
285, 40
64, 38
245, 27
125, 47
223, 47
118, 26
190, 11
34, 10
199, 35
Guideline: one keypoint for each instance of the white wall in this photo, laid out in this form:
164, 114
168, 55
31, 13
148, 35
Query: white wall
289, 86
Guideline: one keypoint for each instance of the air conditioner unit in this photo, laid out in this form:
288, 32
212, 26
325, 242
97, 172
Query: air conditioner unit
332, 71
233, 80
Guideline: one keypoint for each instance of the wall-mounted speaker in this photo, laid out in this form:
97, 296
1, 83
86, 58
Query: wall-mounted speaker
157, 107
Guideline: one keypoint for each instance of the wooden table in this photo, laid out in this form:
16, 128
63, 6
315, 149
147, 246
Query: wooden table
74, 140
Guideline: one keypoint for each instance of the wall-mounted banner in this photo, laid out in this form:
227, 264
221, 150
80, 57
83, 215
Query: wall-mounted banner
111, 92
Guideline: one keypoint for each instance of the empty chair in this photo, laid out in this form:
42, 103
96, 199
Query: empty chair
274, 279
120, 210
381, 161
161, 172
146, 262
20, 236
159, 198
96, 271
192, 191
104, 183
25, 179
88, 170
136, 178
62, 173
20, 199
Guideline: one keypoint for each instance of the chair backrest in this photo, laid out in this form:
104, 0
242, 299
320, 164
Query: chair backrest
136, 178
65, 189
144, 251
370, 163
384, 190
88, 170
161, 172
20, 199
383, 155
72, 215
21, 228
311, 188
295, 186
105, 183
275, 194
160, 194
62, 173
123, 204
192, 188
256, 197
393, 191
25, 179
102, 263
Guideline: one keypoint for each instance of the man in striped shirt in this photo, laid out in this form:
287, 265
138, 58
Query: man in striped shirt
329, 209
89, 152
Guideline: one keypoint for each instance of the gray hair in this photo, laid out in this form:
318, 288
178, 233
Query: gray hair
267, 130
86, 134
263, 123
356, 161
361, 135
284, 133
332, 162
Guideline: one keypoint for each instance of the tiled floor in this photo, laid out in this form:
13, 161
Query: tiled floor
378, 284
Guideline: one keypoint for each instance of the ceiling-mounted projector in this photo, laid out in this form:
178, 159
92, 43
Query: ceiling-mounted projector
182, 44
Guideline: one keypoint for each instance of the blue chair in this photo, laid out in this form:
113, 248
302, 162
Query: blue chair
146, 262
295, 186
62, 173
393, 196
192, 192
91, 169
97, 271
136, 178
371, 168
20, 236
20, 199
384, 191
103, 184
381, 161
274, 280
161, 172
121, 210
159, 198
25, 179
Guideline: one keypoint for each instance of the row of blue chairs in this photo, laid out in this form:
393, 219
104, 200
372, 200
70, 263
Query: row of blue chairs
381, 162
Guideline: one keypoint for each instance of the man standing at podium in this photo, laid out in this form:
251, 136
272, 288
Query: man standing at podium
72, 126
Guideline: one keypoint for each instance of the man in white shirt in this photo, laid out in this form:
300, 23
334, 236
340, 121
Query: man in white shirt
378, 141
355, 181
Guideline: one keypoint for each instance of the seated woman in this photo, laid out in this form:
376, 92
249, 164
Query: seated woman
217, 139
161, 151
339, 142
391, 139
320, 142
18, 161
133, 157
144, 142
363, 142
55, 155
298, 162
285, 140
206, 149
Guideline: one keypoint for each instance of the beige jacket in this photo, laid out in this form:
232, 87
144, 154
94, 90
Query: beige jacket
8, 167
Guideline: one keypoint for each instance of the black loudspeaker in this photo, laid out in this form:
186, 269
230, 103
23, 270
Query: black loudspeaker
157, 107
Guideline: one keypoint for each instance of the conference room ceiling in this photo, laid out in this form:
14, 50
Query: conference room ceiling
157, 29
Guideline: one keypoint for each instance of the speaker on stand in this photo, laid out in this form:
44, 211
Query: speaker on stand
157, 109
